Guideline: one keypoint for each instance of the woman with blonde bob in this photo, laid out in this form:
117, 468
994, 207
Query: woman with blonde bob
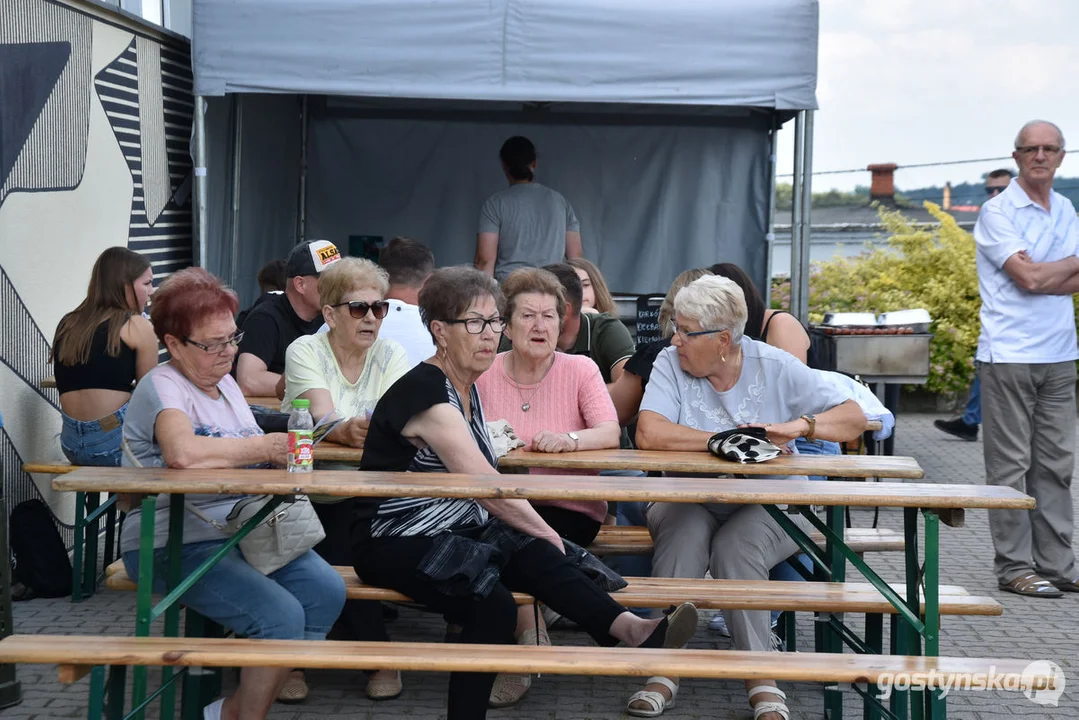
597, 296
343, 373
714, 379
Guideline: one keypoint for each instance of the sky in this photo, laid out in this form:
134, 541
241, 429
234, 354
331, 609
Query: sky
920, 81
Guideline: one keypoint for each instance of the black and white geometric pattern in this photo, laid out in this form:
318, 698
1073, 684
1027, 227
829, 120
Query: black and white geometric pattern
145, 83
45, 52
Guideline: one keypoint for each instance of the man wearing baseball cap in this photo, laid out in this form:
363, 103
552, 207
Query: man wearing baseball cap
273, 324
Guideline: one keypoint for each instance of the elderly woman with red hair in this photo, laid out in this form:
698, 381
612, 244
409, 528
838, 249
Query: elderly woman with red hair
189, 413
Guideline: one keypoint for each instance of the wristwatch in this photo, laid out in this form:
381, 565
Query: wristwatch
575, 438
812, 420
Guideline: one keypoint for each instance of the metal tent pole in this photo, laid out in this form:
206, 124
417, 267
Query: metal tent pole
807, 209
770, 233
796, 216
199, 219
302, 214
237, 169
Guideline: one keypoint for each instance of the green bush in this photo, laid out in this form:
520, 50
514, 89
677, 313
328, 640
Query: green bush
929, 267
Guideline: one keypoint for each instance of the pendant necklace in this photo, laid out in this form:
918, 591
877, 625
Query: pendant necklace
526, 405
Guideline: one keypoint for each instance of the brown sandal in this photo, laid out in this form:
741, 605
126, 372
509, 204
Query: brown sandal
1031, 585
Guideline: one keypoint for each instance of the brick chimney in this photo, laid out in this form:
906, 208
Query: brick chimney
883, 186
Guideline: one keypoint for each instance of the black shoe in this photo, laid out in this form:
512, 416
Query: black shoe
958, 428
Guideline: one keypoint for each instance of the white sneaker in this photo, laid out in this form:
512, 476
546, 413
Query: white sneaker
213, 710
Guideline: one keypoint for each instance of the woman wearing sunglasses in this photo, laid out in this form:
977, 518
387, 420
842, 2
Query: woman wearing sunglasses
343, 373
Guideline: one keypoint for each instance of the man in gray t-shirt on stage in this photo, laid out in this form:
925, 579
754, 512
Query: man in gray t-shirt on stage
527, 224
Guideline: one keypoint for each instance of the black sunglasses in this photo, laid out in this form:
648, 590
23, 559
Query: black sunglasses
993, 190
358, 308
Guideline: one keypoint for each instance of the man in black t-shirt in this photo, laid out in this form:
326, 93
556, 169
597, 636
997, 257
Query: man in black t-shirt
273, 324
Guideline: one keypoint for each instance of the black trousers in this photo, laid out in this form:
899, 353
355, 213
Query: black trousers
570, 524
538, 569
359, 619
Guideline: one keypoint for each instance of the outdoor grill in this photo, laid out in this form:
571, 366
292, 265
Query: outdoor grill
896, 352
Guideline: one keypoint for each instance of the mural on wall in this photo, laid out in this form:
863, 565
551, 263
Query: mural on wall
78, 87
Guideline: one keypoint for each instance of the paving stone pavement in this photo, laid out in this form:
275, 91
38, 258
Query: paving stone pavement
1030, 628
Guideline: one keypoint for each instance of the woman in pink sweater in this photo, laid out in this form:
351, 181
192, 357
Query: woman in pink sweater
555, 403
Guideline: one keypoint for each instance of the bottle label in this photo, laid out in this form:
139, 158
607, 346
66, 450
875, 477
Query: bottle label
300, 449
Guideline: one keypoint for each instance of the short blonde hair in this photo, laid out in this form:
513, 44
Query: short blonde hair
666, 310
717, 303
533, 280
350, 274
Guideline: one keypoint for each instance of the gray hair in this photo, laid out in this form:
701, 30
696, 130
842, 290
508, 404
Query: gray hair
1035, 123
717, 303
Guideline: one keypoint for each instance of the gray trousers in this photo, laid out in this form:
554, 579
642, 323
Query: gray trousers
735, 542
1028, 421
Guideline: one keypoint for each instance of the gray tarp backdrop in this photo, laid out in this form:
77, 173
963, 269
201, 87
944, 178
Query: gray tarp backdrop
653, 119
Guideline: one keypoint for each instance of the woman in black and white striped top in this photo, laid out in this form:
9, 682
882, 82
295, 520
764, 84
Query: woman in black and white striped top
461, 557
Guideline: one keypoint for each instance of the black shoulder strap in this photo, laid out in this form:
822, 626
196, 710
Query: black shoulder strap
764, 330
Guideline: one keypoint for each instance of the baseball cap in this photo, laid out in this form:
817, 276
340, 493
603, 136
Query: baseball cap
311, 258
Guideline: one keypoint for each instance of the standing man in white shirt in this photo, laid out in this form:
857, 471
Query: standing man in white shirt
1027, 239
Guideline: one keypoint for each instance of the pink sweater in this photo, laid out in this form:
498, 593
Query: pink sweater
571, 397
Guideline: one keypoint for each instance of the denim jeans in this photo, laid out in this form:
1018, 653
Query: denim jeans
973, 414
299, 601
93, 442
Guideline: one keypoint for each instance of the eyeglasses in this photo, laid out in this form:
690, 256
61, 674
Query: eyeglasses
358, 308
475, 326
992, 190
217, 348
695, 333
1033, 149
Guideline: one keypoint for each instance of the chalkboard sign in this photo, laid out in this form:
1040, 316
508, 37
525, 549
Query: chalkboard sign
648, 329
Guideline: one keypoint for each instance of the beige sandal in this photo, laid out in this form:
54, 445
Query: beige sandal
509, 690
379, 690
657, 703
294, 690
771, 706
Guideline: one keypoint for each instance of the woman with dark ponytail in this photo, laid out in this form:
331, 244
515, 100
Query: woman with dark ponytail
527, 224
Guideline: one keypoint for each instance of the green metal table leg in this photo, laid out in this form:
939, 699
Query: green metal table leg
914, 637
173, 579
833, 698
110, 535
89, 569
874, 640
897, 643
97, 693
77, 550
937, 703
117, 681
145, 601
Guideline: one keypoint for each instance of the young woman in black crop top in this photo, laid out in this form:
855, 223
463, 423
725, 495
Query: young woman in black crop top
100, 350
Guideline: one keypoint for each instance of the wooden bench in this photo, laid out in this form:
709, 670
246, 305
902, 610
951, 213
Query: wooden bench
635, 540
706, 594
49, 467
79, 655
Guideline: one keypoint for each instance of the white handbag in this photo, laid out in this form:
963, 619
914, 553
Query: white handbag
288, 532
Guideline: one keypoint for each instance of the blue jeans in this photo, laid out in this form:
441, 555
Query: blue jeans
93, 442
973, 414
300, 601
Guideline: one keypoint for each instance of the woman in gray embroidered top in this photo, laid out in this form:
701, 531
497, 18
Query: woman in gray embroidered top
462, 557
713, 379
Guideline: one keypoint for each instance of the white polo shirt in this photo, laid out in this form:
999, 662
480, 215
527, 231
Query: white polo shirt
1017, 326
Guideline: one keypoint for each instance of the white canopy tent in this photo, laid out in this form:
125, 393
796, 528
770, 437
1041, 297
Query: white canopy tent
352, 118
